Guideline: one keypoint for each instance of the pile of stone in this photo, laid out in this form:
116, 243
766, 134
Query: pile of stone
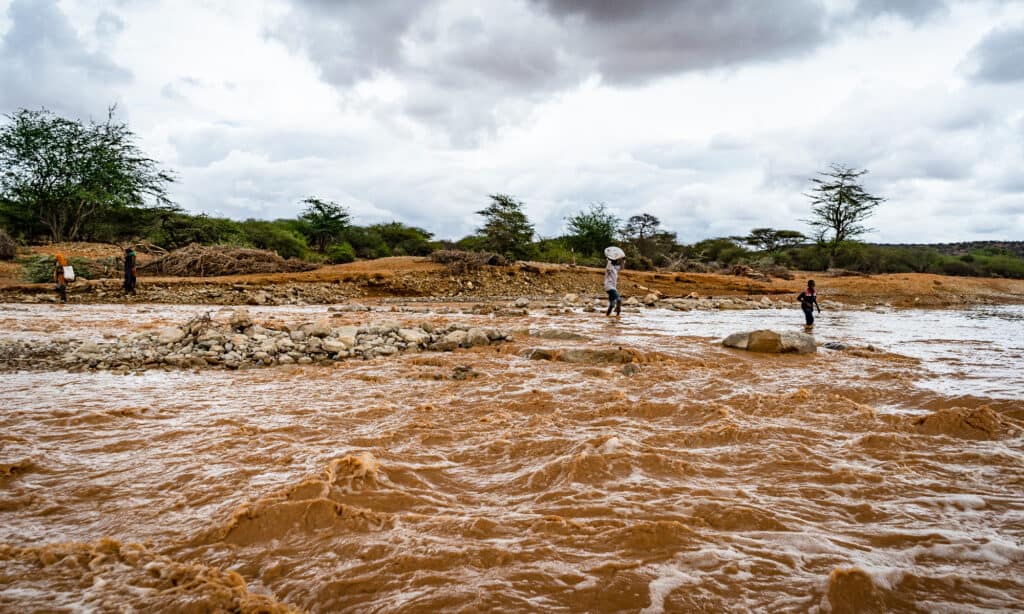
240, 343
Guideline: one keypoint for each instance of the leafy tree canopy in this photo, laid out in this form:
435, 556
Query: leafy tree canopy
506, 228
326, 220
839, 206
56, 173
592, 230
771, 240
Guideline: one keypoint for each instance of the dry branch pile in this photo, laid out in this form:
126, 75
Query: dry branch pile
197, 260
459, 261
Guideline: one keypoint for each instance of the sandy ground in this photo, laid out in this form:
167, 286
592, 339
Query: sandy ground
407, 276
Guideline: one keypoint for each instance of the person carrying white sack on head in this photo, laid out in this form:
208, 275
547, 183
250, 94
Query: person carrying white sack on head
616, 258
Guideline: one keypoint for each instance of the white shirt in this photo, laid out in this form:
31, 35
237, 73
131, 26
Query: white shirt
611, 276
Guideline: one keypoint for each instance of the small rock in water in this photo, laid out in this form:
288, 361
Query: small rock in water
630, 369
521, 302
835, 345
463, 372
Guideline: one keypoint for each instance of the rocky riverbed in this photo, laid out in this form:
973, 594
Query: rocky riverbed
239, 342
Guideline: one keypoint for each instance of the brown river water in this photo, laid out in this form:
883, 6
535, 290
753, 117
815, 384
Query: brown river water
708, 480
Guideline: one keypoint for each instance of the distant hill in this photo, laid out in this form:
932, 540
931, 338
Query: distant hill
959, 249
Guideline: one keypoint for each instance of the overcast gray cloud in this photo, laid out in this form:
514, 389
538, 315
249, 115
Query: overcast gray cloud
44, 62
632, 42
913, 10
999, 57
711, 115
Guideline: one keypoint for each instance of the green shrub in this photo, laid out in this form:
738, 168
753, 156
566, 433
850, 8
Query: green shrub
8, 248
403, 240
553, 250
1004, 265
340, 253
180, 229
718, 250
37, 269
959, 268
275, 236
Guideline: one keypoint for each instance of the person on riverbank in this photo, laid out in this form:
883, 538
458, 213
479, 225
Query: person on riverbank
130, 279
611, 283
59, 262
808, 301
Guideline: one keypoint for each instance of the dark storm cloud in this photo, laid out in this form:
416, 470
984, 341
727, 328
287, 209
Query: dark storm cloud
632, 42
44, 63
349, 41
911, 10
999, 57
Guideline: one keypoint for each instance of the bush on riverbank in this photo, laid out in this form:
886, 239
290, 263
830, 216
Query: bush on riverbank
8, 248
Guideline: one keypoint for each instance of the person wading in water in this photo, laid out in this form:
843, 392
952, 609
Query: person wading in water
611, 279
58, 276
808, 301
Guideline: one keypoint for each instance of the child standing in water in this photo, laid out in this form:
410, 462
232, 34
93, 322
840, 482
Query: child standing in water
808, 301
611, 285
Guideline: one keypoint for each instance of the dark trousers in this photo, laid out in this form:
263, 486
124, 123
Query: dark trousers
129, 284
614, 301
808, 316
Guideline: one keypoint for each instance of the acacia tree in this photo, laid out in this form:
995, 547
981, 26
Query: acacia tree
56, 174
326, 222
639, 230
506, 228
592, 230
771, 240
839, 206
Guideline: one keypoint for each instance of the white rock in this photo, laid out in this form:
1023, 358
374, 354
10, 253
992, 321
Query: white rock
169, 335
346, 335
90, 348
476, 337
334, 346
412, 335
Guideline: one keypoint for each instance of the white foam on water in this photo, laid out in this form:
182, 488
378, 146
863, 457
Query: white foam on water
669, 578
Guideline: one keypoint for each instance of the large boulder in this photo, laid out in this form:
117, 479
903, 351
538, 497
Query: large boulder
772, 342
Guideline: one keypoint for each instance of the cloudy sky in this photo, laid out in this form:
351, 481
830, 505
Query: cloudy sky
710, 114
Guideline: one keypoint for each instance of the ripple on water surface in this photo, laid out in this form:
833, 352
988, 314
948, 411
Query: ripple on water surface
705, 480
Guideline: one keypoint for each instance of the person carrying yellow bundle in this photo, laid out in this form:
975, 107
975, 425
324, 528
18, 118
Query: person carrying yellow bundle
60, 277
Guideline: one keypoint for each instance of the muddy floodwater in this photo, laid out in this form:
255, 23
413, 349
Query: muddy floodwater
700, 478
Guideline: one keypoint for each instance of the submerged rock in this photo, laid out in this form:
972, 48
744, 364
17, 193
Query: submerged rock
772, 342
